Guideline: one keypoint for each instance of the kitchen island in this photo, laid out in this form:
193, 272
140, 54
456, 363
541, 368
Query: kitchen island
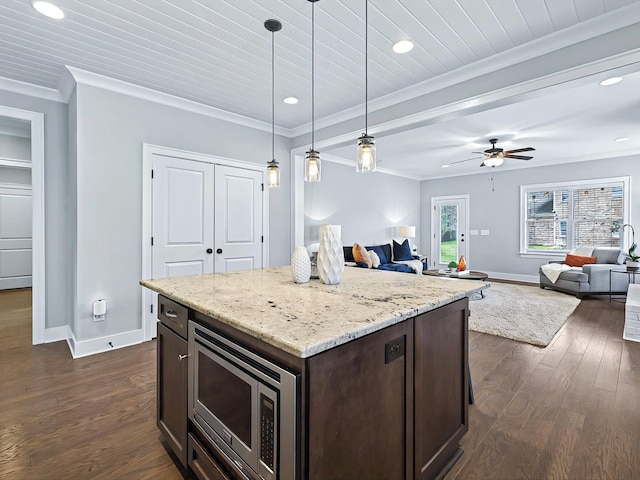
379, 361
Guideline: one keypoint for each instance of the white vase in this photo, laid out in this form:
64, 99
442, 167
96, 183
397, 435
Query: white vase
300, 265
330, 255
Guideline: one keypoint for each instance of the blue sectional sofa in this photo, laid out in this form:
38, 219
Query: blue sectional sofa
385, 254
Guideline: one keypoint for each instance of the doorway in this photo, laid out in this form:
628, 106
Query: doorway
34, 122
450, 230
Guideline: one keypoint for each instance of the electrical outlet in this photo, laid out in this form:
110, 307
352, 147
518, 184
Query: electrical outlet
484, 232
473, 232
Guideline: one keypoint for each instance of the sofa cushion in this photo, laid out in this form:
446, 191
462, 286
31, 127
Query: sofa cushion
360, 255
577, 260
383, 251
348, 254
402, 251
375, 259
574, 276
396, 267
606, 255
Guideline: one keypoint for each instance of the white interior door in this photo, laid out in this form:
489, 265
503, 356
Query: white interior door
183, 212
15, 237
238, 219
450, 229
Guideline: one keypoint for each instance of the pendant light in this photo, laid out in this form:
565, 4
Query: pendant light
273, 170
312, 158
366, 151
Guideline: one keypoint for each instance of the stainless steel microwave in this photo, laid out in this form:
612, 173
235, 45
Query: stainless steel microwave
245, 404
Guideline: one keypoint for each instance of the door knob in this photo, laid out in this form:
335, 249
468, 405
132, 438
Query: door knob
209, 250
219, 250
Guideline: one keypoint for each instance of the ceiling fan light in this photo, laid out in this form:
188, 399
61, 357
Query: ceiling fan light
493, 161
366, 151
312, 171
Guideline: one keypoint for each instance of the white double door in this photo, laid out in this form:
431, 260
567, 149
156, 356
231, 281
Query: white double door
207, 218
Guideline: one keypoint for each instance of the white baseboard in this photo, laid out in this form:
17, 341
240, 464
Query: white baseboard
514, 277
83, 348
55, 334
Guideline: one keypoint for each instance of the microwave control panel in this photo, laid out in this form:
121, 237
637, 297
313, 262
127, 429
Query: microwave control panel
267, 431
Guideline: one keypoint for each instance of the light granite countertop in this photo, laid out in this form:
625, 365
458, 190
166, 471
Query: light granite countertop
309, 318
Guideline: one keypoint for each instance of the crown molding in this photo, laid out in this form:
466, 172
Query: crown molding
30, 90
611, 21
85, 77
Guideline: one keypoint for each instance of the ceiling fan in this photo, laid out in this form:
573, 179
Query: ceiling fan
494, 157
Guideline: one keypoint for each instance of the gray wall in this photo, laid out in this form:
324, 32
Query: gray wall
499, 211
56, 232
369, 207
111, 129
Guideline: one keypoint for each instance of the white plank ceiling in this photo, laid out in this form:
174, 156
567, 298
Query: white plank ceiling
217, 52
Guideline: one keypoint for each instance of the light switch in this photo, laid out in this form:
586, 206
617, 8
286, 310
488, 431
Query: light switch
484, 232
473, 232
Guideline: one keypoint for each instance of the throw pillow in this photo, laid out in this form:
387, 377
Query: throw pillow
375, 259
622, 258
578, 261
360, 255
402, 251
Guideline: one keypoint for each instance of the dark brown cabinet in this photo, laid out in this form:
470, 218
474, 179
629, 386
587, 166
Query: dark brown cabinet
357, 403
392, 404
441, 388
172, 390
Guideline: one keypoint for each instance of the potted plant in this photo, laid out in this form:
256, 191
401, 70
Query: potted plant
633, 264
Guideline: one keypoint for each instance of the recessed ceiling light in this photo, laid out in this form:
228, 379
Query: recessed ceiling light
611, 81
622, 139
444, 166
48, 9
403, 46
290, 100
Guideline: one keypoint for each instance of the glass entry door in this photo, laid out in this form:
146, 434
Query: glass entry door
450, 231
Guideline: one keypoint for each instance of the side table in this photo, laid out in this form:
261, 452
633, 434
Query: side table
631, 274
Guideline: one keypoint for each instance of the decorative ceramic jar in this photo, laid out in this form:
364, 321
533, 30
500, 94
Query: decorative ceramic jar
330, 255
462, 264
300, 265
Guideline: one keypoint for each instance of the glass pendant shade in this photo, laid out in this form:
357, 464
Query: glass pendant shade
273, 174
366, 161
312, 166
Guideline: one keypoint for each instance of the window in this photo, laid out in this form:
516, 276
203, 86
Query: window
559, 217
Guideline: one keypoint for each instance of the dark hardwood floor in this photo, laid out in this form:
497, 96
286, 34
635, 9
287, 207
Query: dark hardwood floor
567, 411
90, 418
571, 410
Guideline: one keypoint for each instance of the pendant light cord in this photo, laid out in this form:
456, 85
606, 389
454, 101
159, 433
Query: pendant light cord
366, 69
273, 98
313, 75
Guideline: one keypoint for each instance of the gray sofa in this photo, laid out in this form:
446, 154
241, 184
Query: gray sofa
593, 279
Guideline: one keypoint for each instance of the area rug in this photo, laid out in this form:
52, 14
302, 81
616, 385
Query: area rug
521, 312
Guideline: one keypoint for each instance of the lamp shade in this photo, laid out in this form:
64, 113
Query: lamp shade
493, 162
407, 231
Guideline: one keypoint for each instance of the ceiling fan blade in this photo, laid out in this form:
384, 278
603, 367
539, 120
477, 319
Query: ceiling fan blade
518, 157
467, 160
528, 149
